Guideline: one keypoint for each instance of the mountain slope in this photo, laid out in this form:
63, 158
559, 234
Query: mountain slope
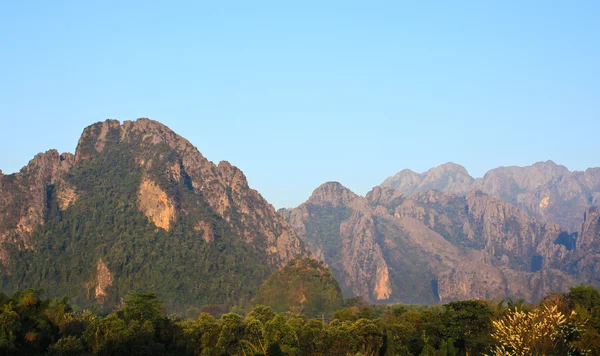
431, 247
138, 208
302, 286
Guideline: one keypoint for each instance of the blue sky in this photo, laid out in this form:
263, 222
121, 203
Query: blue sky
299, 93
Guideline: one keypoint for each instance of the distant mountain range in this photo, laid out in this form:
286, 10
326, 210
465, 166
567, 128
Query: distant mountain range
137, 207
435, 247
545, 190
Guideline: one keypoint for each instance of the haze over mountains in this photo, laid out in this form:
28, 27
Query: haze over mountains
137, 207
545, 190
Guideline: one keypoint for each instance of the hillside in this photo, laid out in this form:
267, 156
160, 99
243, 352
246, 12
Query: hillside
303, 286
137, 207
436, 247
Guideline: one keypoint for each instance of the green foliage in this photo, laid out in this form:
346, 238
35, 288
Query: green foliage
369, 336
9, 329
585, 300
469, 323
230, 337
302, 286
200, 336
32, 325
587, 297
143, 307
67, 346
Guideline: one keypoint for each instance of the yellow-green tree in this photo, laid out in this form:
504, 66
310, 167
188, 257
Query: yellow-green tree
540, 331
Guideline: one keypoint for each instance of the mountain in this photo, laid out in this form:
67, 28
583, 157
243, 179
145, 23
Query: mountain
448, 177
138, 207
544, 190
304, 286
432, 247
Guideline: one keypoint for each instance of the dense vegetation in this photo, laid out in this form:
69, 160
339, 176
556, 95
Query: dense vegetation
302, 286
106, 223
561, 324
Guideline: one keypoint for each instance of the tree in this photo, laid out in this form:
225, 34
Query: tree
9, 329
261, 313
278, 331
255, 336
537, 332
231, 334
67, 346
339, 339
587, 297
585, 300
368, 335
469, 324
107, 336
142, 307
312, 338
199, 336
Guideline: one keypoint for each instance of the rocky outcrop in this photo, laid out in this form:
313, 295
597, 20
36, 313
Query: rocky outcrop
104, 280
155, 204
331, 193
24, 195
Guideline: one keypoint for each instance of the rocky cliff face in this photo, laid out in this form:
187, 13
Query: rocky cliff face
507, 236
340, 228
544, 190
138, 204
433, 246
24, 196
586, 259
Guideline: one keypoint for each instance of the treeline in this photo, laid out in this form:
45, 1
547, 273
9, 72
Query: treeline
561, 324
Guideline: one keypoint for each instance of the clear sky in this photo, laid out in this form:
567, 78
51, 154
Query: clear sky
297, 93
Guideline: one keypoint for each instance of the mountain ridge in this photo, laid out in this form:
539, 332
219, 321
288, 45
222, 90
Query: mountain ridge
139, 207
545, 190
434, 246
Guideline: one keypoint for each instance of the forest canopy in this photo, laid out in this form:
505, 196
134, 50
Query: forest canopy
560, 324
